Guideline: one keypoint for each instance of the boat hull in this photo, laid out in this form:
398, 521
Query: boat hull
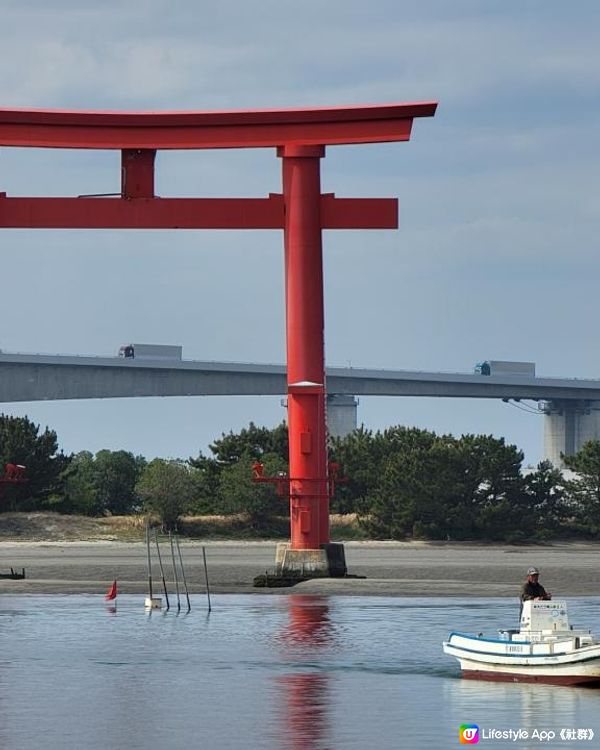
482, 659
573, 680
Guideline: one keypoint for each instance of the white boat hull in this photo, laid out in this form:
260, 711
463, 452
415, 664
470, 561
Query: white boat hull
558, 663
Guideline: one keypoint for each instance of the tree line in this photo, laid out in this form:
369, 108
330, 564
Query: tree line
402, 483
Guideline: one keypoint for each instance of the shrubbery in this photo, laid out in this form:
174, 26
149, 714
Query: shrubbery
404, 483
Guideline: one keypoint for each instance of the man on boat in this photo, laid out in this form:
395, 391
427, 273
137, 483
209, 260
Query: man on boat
532, 588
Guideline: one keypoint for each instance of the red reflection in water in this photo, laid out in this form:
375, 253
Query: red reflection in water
306, 697
309, 622
306, 694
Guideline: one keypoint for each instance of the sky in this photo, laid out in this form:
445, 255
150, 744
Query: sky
499, 193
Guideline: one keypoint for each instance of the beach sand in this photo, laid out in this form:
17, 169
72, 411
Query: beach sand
391, 568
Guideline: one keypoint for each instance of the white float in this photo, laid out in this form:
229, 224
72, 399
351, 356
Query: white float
153, 602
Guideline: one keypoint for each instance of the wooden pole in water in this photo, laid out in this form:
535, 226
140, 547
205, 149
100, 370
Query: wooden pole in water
206, 577
187, 595
175, 572
162, 571
150, 596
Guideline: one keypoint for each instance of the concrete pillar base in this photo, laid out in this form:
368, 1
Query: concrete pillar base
336, 559
295, 565
301, 563
328, 561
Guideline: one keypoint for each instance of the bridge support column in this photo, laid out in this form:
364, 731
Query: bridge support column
569, 424
342, 412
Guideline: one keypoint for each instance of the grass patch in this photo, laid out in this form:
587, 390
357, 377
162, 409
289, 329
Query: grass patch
50, 527
123, 528
236, 526
56, 527
345, 528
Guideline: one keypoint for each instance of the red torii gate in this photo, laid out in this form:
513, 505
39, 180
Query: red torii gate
302, 211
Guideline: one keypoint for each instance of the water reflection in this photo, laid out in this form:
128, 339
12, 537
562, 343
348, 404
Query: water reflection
309, 623
532, 699
306, 695
505, 705
306, 710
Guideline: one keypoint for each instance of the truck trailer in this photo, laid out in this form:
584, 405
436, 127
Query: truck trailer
499, 367
151, 351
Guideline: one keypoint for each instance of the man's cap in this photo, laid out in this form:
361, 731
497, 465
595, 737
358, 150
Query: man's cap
533, 572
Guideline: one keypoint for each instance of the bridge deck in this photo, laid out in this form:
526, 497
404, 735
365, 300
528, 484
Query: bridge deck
32, 377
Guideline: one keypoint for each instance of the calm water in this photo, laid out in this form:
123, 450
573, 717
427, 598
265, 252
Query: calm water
264, 671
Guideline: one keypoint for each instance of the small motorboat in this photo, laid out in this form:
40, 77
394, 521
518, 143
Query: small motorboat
544, 649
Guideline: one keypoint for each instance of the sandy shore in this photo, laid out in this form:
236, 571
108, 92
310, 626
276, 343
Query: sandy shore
391, 568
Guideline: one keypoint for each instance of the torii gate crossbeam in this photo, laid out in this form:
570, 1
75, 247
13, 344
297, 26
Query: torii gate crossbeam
302, 211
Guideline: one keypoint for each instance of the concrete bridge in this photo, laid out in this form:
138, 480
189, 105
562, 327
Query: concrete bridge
571, 406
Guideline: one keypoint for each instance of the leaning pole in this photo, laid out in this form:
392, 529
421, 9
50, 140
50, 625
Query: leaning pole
302, 211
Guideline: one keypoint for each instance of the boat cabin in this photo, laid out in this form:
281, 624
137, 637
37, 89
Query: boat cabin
545, 621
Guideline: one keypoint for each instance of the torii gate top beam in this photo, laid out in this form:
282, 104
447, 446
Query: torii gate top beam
44, 128
139, 135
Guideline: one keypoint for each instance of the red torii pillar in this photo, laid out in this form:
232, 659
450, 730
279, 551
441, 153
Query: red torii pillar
305, 323
300, 136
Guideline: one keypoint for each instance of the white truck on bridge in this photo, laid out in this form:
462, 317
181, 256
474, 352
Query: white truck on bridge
151, 351
498, 367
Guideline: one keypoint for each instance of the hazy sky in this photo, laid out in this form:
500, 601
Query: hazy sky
496, 256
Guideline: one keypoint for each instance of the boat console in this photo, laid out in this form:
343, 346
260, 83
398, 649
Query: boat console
544, 622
